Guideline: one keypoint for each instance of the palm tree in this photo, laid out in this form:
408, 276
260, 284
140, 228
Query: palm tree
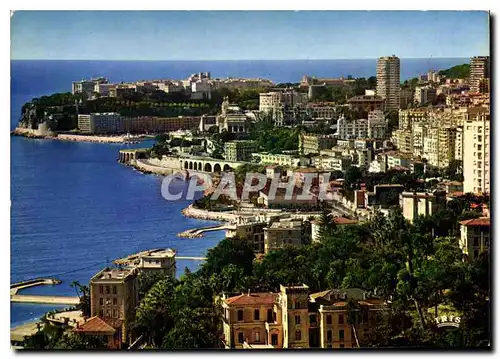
76, 284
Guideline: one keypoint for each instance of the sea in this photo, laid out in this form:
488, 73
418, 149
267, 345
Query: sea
74, 209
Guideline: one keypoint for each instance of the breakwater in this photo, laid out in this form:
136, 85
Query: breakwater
198, 232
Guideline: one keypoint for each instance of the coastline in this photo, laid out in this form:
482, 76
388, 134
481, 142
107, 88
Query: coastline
36, 134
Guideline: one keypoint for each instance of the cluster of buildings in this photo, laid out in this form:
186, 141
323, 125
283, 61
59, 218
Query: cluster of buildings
296, 318
114, 296
446, 135
198, 86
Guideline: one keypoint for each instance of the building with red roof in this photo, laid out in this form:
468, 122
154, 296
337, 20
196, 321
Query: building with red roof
109, 329
475, 236
296, 318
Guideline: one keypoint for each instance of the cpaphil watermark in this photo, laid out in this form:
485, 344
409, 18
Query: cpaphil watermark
301, 187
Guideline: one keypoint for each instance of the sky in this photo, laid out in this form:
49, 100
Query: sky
247, 35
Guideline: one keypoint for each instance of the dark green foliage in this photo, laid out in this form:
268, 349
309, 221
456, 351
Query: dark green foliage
352, 176
456, 72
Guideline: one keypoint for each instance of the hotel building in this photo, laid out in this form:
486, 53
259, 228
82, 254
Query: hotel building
388, 81
476, 151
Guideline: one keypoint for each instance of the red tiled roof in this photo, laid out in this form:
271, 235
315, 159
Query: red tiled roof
340, 304
97, 324
252, 298
483, 221
343, 220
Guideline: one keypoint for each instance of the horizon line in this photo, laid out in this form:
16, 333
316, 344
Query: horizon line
298, 59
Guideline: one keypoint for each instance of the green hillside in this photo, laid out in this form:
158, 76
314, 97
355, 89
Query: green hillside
456, 72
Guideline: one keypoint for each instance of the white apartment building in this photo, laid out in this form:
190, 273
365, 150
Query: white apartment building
100, 123
103, 89
276, 159
431, 147
281, 233
388, 81
170, 87
476, 151
275, 103
419, 133
377, 124
409, 116
201, 90
403, 140
439, 146
425, 95
459, 144
352, 129
479, 71
328, 163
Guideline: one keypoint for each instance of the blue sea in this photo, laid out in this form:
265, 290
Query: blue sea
74, 208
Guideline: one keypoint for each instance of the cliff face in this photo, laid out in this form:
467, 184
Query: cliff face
55, 117
29, 118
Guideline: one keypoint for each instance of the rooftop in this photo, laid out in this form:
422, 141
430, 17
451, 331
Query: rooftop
483, 221
343, 220
159, 253
252, 299
113, 274
97, 324
286, 224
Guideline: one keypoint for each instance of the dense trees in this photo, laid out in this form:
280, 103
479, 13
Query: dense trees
274, 140
456, 72
417, 266
50, 336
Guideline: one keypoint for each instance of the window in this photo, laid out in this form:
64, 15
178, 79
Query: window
101, 301
298, 335
108, 301
256, 314
329, 335
476, 241
107, 289
312, 319
297, 319
269, 315
341, 345
341, 318
108, 313
274, 339
240, 337
114, 289
341, 335
328, 319
101, 289
476, 253
101, 313
115, 313
297, 303
257, 336
240, 315
115, 301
